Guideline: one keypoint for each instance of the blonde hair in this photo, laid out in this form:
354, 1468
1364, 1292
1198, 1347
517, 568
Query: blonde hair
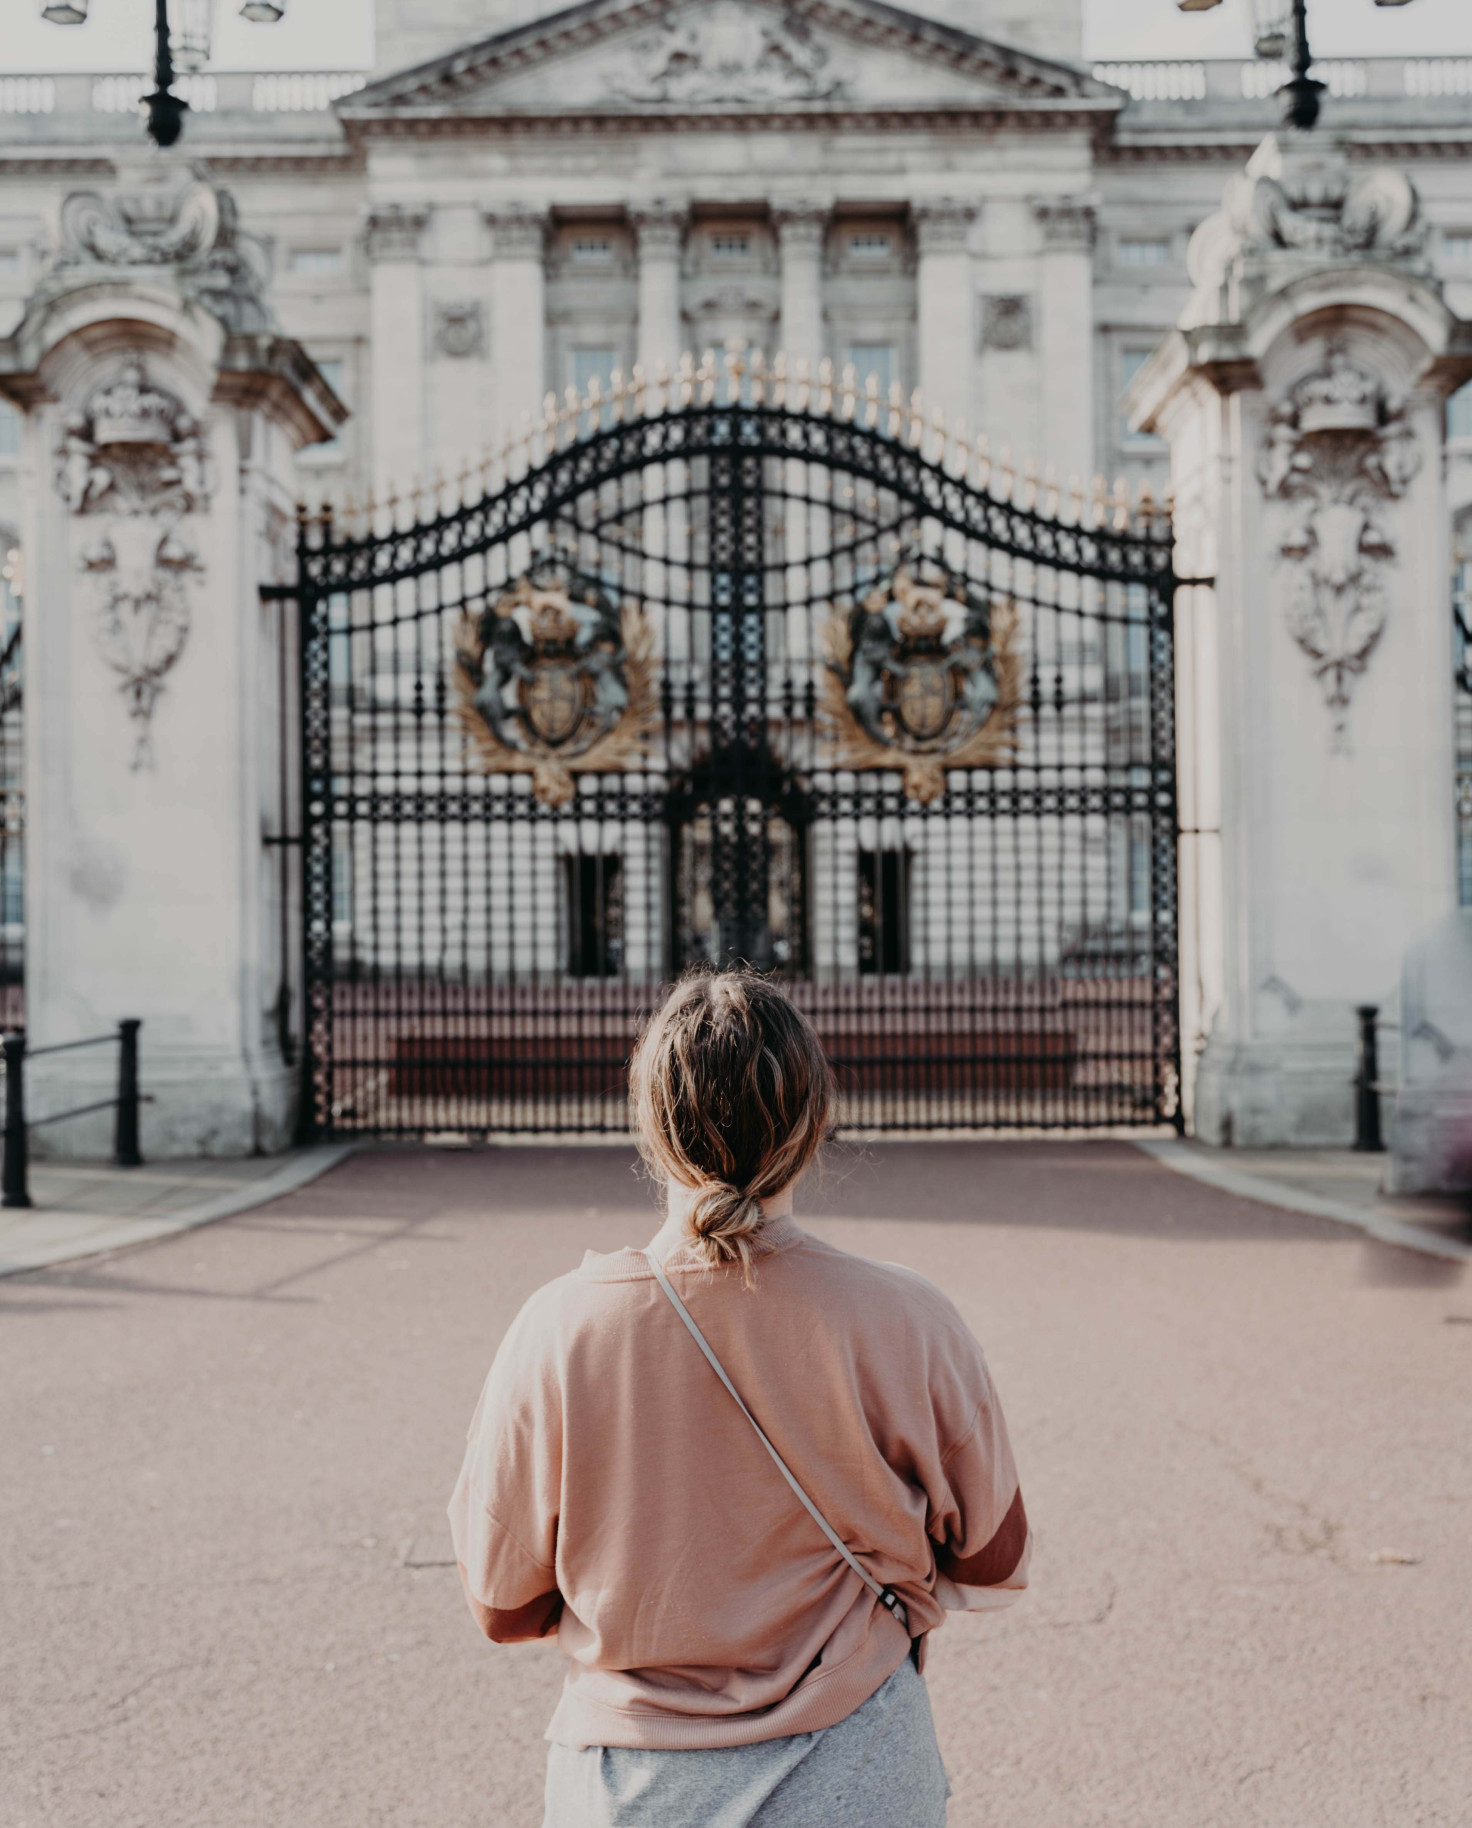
731, 1094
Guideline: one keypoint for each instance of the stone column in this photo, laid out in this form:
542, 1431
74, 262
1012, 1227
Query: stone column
163, 410
802, 226
397, 388
659, 230
519, 330
1302, 397
1066, 334
944, 304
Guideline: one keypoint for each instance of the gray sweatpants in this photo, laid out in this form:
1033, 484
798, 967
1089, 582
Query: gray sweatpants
879, 1768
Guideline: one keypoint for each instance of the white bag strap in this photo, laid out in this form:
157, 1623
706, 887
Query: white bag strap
887, 1595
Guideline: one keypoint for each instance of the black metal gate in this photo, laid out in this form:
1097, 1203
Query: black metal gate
740, 672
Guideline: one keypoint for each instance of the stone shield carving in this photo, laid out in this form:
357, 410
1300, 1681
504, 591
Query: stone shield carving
552, 680
132, 466
1337, 451
922, 675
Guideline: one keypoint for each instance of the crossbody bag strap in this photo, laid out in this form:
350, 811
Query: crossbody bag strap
887, 1596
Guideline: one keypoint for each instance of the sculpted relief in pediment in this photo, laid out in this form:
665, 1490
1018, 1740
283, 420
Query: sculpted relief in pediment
727, 53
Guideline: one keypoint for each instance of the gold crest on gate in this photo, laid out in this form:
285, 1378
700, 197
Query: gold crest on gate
552, 680
922, 675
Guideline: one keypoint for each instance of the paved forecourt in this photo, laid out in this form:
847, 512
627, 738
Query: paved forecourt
1245, 1438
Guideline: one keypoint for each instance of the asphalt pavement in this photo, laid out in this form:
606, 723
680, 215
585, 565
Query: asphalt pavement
1245, 1436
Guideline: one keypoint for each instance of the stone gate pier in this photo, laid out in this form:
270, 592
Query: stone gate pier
163, 409
1303, 398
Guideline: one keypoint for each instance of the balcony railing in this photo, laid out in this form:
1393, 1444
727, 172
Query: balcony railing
1249, 80
232, 91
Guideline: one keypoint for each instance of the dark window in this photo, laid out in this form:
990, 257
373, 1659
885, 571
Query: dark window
884, 912
594, 899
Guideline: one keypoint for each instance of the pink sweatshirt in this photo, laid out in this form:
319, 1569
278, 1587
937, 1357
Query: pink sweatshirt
613, 1493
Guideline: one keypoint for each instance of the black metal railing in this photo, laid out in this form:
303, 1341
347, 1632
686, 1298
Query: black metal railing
1368, 1138
15, 1171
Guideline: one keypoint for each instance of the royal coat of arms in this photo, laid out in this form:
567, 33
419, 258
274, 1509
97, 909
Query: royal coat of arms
553, 679
922, 675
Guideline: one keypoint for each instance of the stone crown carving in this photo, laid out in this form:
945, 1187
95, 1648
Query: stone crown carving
1337, 450
1006, 321
727, 54
176, 217
132, 464
459, 329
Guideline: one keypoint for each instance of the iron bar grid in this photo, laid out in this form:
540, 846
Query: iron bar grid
994, 949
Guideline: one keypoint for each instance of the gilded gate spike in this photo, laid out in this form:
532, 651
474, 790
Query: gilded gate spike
779, 378
896, 409
1029, 483
618, 391
915, 436
1100, 504
871, 400
960, 453
758, 377
825, 387
938, 431
1050, 491
1006, 475
983, 461
848, 391
1121, 505
804, 391
637, 389
1075, 498
706, 376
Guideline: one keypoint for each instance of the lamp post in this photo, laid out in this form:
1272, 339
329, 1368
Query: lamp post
1282, 30
166, 110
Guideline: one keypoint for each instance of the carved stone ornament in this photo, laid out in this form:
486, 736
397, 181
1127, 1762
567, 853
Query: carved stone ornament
132, 465
170, 217
552, 679
520, 232
1337, 451
460, 329
1006, 321
1311, 202
392, 231
943, 225
1067, 222
923, 675
727, 53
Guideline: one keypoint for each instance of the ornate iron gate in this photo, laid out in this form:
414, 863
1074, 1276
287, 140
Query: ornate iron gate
739, 669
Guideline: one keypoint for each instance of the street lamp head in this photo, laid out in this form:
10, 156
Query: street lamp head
65, 12
263, 12
1197, 6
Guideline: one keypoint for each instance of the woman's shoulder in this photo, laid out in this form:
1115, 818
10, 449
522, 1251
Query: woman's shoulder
868, 1282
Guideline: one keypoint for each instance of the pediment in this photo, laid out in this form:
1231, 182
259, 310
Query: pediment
613, 57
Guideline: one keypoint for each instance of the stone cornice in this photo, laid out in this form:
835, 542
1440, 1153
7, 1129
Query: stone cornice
801, 222
659, 227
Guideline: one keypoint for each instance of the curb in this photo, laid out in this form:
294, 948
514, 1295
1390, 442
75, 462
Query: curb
1183, 1158
301, 1167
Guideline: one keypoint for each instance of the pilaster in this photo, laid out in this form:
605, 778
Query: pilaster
519, 280
944, 304
802, 228
659, 234
1066, 333
392, 235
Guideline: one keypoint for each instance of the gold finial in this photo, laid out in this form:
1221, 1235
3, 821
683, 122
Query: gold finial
779, 378
871, 400
848, 391
825, 387
983, 461
1006, 475
1100, 503
1121, 505
916, 434
638, 389
803, 380
1075, 498
896, 409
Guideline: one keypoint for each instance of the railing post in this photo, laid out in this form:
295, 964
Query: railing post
125, 1148
13, 1188
1367, 1085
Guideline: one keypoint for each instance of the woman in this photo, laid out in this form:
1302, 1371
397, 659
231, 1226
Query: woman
728, 1665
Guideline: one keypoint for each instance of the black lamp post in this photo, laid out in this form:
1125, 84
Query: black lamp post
1301, 93
166, 110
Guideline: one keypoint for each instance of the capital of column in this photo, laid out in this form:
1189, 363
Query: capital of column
1067, 223
392, 230
659, 228
801, 224
520, 232
942, 224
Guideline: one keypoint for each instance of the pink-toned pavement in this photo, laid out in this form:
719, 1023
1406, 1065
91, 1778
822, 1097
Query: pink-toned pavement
1245, 1437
